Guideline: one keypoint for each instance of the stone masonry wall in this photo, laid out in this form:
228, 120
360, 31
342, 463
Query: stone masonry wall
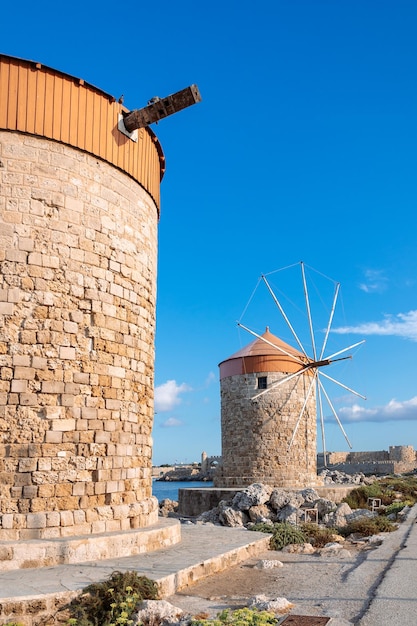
405, 454
256, 434
78, 248
396, 454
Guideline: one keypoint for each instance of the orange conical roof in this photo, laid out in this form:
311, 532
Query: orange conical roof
267, 353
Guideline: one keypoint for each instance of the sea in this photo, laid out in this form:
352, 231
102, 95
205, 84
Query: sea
169, 489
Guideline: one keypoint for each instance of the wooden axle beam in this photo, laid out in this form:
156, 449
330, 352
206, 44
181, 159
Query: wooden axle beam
158, 108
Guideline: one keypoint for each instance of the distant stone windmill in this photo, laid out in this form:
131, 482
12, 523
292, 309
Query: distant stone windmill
271, 395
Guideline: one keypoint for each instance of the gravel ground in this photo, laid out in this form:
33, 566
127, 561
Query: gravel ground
339, 587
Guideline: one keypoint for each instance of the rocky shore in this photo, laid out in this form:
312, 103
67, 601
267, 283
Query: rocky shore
185, 474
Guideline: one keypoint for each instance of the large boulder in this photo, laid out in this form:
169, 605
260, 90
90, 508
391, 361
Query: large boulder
310, 496
338, 518
288, 514
157, 612
167, 507
324, 507
210, 517
281, 497
261, 513
360, 514
229, 516
272, 605
255, 494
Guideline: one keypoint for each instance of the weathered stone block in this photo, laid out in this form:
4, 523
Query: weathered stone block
36, 520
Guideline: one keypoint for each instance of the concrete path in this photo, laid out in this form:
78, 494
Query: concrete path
203, 551
394, 599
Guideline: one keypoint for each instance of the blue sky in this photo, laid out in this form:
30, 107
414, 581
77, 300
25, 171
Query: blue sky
302, 149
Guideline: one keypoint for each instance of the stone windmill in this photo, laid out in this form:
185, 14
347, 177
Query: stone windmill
79, 209
271, 395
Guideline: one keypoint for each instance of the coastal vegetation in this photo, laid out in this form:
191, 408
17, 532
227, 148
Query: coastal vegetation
113, 601
393, 491
283, 534
239, 617
387, 497
368, 526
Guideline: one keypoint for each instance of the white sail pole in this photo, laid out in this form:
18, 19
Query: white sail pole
335, 414
310, 321
330, 319
275, 299
354, 345
279, 382
301, 413
323, 435
356, 393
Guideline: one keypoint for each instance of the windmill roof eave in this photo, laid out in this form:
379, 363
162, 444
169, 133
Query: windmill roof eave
262, 347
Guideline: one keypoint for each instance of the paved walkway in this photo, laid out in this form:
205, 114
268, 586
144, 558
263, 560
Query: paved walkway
395, 597
203, 551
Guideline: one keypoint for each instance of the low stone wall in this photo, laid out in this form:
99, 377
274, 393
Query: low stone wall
193, 502
47, 553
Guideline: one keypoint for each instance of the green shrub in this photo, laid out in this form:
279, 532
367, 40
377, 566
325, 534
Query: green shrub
318, 536
239, 617
387, 489
405, 485
358, 498
283, 534
395, 508
263, 527
367, 526
112, 601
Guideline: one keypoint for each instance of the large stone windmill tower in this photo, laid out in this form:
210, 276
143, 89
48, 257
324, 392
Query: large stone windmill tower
258, 441
79, 210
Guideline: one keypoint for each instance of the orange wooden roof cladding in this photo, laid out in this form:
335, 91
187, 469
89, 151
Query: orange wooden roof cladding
42, 101
258, 357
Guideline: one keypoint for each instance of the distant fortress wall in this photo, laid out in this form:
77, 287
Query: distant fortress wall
397, 460
357, 457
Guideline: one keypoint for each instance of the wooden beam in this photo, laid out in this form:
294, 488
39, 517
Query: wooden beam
158, 108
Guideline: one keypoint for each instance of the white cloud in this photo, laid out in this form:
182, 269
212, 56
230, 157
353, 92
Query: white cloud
394, 411
167, 395
400, 325
210, 378
171, 422
375, 282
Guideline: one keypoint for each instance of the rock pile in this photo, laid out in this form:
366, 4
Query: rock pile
333, 476
168, 508
259, 503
